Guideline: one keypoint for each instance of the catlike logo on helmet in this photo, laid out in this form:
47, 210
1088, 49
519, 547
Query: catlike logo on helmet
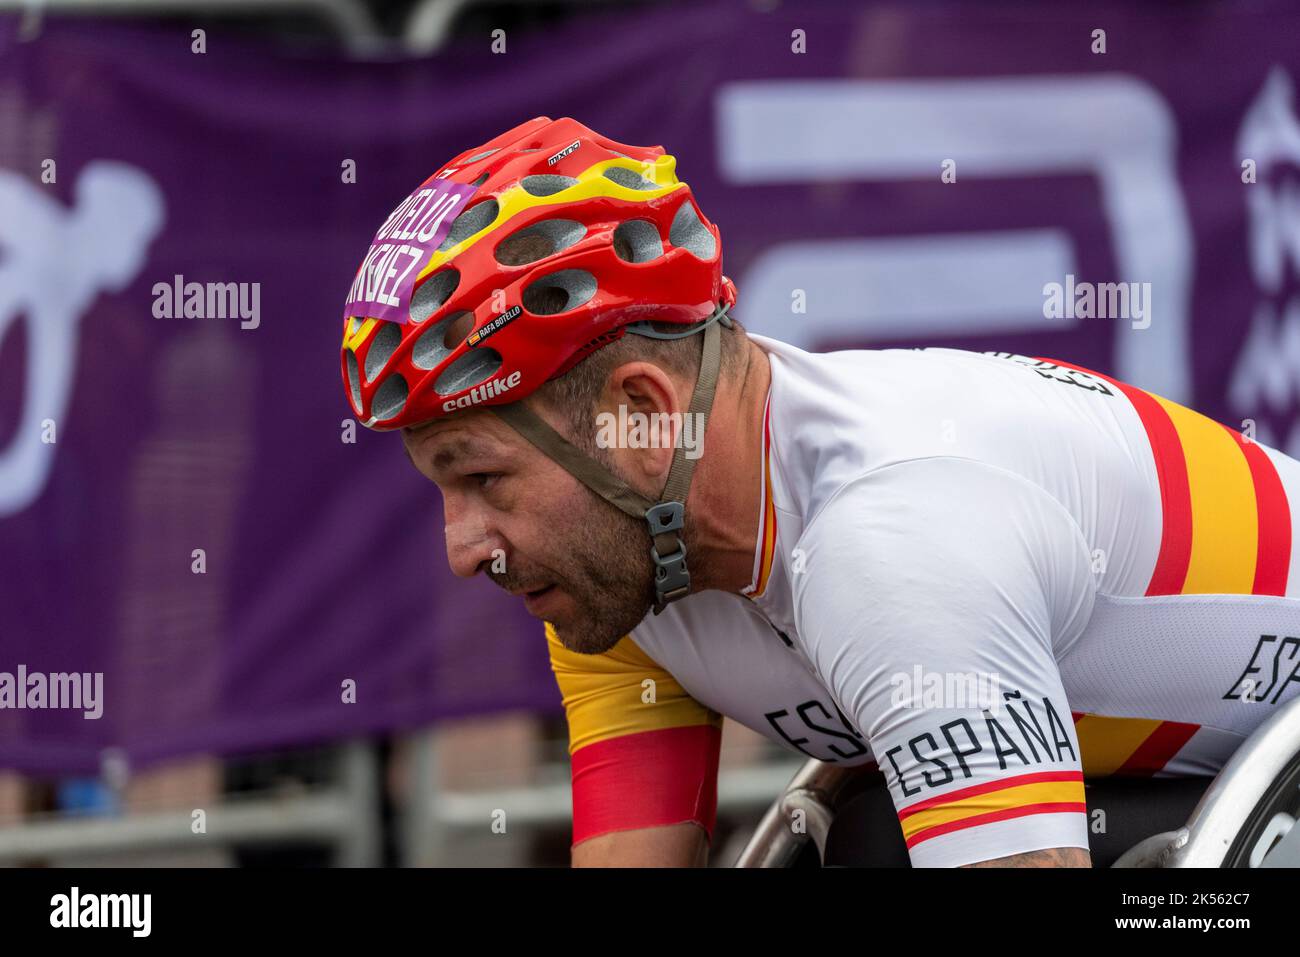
481, 393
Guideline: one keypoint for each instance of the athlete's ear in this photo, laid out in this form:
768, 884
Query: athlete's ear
641, 399
643, 387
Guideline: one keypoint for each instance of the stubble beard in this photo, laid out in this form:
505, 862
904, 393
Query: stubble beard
601, 560
610, 552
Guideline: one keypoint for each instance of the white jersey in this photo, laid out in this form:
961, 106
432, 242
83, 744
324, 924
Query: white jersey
991, 576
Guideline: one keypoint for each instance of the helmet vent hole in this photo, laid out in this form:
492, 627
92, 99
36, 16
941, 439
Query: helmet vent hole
629, 178
382, 346
433, 293
458, 326
687, 232
637, 241
546, 184
354, 380
477, 217
441, 339
475, 366
559, 292
476, 157
539, 241
481, 180
390, 398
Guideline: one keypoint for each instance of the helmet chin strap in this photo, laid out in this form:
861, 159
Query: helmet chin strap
664, 519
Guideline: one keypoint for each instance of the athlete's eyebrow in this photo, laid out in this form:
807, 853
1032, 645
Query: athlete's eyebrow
455, 450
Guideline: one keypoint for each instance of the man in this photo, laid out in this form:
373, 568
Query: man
989, 575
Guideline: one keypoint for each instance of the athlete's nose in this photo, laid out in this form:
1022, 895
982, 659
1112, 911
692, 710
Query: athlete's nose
470, 543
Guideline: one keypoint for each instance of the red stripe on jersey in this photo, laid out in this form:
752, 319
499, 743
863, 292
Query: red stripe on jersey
1274, 551
1158, 749
1001, 784
1175, 554
647, 779
1006, 814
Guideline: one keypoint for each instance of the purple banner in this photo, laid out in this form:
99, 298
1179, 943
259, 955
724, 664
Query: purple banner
187, 509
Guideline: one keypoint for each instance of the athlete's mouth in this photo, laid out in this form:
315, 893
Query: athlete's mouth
538, 601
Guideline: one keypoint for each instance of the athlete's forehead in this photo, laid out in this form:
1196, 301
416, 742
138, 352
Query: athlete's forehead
445, 444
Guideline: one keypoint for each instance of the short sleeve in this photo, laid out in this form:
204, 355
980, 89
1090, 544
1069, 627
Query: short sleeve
929, 600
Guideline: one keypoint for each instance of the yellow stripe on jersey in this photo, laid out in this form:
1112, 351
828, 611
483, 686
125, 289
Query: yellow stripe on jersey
1133, 747
1043, 792
1105, 744
622, 691
1225, 526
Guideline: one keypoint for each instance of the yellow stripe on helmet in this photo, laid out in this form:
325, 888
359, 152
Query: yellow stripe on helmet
591, 182
358, 333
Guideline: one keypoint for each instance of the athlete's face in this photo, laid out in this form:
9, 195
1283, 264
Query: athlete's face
536, 531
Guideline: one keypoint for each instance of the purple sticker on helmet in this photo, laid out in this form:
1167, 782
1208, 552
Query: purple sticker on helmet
402, 248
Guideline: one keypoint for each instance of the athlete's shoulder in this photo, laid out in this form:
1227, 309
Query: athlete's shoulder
835, 416
947, 531
932, 498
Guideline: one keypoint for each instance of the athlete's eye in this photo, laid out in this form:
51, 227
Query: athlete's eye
485, 480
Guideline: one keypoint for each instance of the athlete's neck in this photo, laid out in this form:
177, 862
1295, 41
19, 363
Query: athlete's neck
723, 505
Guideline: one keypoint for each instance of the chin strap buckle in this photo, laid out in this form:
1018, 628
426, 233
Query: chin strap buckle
672, 579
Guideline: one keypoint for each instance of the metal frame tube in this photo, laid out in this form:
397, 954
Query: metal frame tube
813, 792
1232, 796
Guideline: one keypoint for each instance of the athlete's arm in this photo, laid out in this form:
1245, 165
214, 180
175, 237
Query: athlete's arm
930, 597
674, 845
644, 757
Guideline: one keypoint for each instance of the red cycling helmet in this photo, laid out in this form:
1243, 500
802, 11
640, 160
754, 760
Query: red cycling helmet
516, 260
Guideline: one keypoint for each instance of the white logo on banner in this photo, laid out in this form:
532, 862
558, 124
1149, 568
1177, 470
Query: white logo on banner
1116, 128
1267, 372
54, 262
